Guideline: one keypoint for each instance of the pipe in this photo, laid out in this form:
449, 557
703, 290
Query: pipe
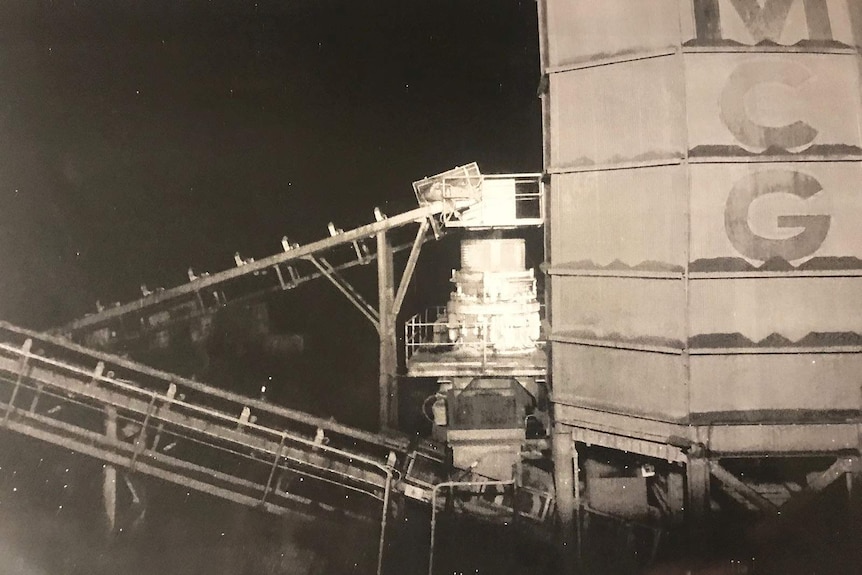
434, 508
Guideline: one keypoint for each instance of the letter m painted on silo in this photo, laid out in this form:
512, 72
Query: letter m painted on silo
765, 20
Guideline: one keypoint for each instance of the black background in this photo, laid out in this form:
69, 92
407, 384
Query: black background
138, 138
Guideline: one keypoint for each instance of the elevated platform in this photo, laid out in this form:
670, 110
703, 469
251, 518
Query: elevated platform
443, 363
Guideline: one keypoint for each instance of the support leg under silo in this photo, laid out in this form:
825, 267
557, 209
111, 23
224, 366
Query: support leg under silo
854, 495
697, 504
565, 492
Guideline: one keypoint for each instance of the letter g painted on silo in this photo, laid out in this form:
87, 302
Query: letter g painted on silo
747, 190
735, 115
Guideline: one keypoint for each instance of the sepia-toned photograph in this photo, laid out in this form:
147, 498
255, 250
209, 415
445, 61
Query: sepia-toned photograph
431, 287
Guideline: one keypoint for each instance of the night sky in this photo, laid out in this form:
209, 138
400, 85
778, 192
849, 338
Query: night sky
138, 138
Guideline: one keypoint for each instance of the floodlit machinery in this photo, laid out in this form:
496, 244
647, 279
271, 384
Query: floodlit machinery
484, 347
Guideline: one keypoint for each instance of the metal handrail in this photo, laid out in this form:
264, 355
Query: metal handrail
165, 399
419, 331
163, 378
90, 381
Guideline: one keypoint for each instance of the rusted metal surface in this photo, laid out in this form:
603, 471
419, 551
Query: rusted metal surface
855, 20
757, 106
738, 24
595, 122
776, 312
620, 220
580, 32
766, 385
619, 380
804, 386
798, 218
634, 311
705, 259
640, 434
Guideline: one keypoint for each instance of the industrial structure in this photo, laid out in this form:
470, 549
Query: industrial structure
485, 350
697, 347
703, 253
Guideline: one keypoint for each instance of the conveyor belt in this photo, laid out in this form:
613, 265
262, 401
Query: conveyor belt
113, 326
211, 440
184, 431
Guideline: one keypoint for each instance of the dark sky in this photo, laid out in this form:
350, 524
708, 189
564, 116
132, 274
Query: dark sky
138, 138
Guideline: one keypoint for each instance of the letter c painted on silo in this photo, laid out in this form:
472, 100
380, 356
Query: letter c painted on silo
753, 186
735, 116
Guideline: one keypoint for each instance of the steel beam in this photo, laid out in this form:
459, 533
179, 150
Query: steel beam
723, 440
387, 334
161, 380
109, 473
842, 466
654, 449
208, 282
202, 309
208, 422
410, 267
736, 486
23, 364
348, 290
113, 457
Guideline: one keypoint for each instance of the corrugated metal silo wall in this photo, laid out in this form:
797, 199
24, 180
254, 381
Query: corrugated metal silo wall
705, 233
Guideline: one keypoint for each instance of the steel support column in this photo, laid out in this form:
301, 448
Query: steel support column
676, 496
566, 492
109, 474
697, 504
387, 333
854, 508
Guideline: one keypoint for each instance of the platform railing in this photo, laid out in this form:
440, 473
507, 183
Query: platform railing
428, 332
419, 331
523, 207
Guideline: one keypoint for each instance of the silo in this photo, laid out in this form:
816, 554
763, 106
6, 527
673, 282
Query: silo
704, 241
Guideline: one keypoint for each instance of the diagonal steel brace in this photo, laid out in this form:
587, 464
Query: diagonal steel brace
348, 290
